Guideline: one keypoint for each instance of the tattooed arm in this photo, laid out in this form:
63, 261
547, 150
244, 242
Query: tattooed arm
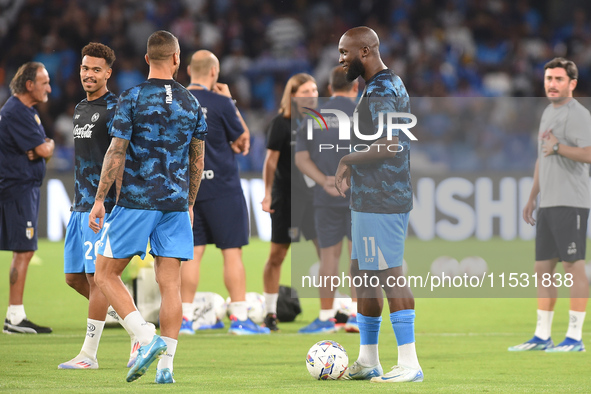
112, 166
196, 164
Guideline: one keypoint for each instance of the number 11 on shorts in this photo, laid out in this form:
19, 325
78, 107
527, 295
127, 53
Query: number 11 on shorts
373, 246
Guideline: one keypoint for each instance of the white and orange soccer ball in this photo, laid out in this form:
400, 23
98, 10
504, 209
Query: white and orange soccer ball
327, 360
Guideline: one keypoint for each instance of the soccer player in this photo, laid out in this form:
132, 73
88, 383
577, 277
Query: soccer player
158, 133
381, 200
92, 119
332, 217
561, 178
24, 150
221, 215
279, 175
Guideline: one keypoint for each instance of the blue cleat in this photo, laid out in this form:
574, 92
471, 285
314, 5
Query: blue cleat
533, 344
246, 327
351, 325
145, 357
186, 327
359, 372
318, 327
218, 325
568, 345
164, 376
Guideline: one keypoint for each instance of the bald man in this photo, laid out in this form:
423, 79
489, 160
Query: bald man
381, 200
220, 215
158, 134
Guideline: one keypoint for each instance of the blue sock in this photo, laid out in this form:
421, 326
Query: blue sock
369, 329
403, 323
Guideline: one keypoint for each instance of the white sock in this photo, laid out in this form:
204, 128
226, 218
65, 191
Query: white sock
368, 355
353, 308
239, 310
326, 314
188, 310
94, 330
16, 314
111, 312
407, 356
575, 325
544, 326
271, 302
168, 357
142, 330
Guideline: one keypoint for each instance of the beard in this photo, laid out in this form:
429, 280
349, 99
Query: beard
355, 69
176, 72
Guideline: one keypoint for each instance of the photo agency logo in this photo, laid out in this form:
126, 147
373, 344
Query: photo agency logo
343, 122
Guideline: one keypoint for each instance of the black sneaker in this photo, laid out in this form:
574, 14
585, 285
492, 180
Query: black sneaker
25, 327
341, 318
271, 322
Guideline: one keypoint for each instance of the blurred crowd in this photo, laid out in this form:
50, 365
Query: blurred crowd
440, 48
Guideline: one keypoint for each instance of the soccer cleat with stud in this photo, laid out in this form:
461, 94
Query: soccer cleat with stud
351, 325
568, 345
360, 372
319, 327
533, 344
135, 346
25, 327
400, 374
246, 327
218, 325
81, 361
271, 322
186, 327
164, 376
146, 355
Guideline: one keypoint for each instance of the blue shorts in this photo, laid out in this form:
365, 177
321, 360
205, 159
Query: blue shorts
127, 231
378, 239
222, 221
18, 222
332, 224
81, 245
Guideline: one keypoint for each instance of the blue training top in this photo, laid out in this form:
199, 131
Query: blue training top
220, 174
159, 118
92, 120
382, 186
20, 131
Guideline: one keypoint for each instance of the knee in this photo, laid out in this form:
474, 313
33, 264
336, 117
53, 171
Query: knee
75, 281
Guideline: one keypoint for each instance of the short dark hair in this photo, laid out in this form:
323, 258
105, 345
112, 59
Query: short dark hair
162, 45
338, 80
95, 49
26, 72
569, 66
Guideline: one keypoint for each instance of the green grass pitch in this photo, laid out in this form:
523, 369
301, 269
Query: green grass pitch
461, 343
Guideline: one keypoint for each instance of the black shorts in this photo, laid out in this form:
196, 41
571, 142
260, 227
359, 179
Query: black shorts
291, 219
221, 221
332, 224
561, 232
18, 222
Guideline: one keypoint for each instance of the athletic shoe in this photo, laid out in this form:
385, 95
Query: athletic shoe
218, 325
135, 346
352, 325
146, 355
24, 327
271, 322
533, 344
359, 372
568, 345
81, 361
246, 327
187, 327
400, 374
164, 376
318, 327
340, 320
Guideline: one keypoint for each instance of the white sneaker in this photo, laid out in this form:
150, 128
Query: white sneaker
360, 372
135, 346
400, 374
81, 361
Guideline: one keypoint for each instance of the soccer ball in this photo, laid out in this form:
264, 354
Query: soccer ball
445, 265
473, 266
208, 309
327, 360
